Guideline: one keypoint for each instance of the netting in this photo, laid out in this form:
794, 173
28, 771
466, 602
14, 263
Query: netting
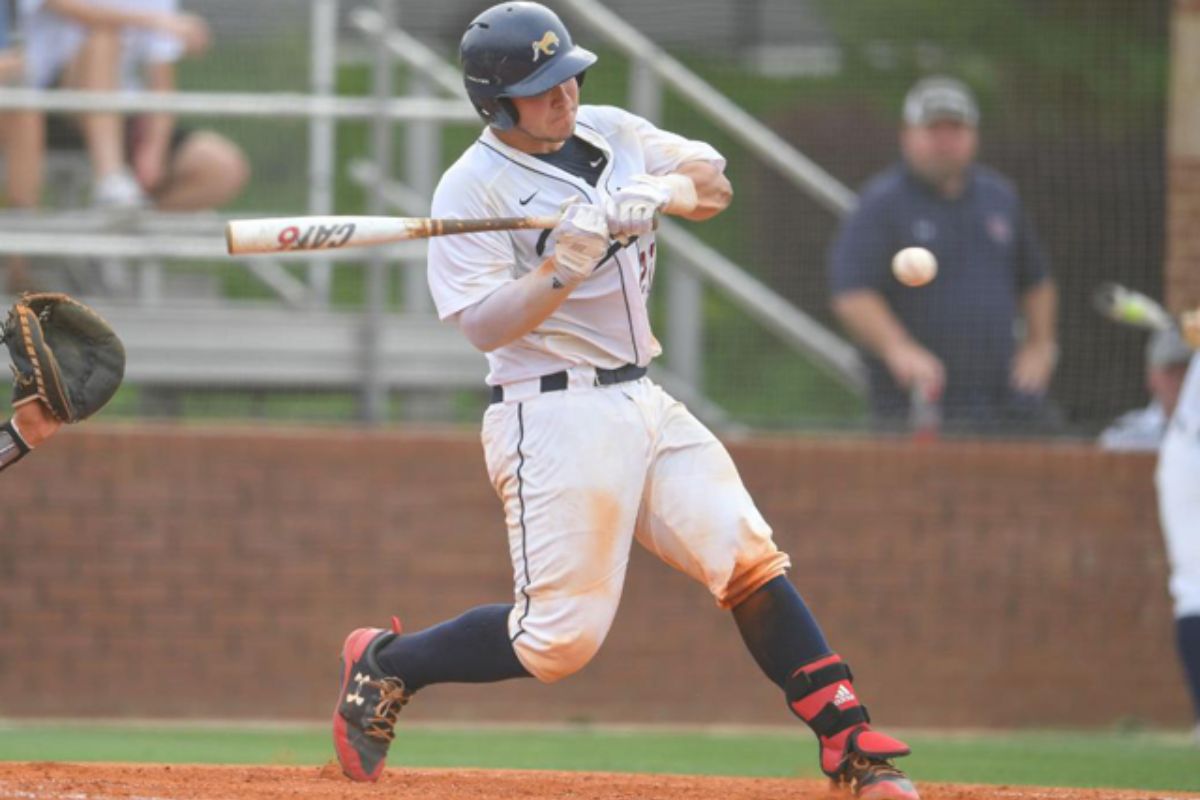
1073, 109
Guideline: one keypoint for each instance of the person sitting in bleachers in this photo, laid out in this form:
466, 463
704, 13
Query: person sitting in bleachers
142, 160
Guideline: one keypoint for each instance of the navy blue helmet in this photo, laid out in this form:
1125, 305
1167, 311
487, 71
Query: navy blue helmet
517, 50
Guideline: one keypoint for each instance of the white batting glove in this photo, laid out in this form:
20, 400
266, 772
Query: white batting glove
580, 241
632, 209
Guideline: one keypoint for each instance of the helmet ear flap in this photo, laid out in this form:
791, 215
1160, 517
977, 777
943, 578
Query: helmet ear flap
508, 115
499, 112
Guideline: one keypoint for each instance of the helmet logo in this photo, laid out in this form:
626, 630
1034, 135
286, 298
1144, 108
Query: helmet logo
547, 46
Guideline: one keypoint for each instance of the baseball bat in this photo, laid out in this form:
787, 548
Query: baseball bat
300, 234
1130, 307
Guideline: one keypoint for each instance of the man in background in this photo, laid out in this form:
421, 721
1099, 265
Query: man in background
954, 341
105, 45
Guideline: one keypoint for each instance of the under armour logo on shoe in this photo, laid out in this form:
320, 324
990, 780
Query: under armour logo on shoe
356, 696
843, 696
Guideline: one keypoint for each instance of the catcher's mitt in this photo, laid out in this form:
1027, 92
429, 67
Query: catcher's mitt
63, 354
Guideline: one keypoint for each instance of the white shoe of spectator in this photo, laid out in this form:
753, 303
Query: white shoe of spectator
118, 191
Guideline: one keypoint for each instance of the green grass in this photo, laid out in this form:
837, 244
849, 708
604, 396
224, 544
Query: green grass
1151, 761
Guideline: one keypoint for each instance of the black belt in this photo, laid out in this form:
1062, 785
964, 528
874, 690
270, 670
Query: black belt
557, 381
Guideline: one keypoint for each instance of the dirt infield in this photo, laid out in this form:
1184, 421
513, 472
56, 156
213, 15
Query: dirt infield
57, 781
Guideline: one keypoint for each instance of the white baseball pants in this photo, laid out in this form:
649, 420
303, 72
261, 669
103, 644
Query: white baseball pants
580, 473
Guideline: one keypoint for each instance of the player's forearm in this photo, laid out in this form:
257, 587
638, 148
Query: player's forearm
867, 317
714, 192
514, 309
35, 422
31, 424
1039, 305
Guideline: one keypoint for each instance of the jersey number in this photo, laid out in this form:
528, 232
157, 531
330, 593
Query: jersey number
646, 271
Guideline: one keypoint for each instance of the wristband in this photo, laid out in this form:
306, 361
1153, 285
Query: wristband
683, 193
12, 447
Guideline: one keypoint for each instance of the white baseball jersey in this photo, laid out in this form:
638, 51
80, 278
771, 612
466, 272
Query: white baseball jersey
584, 470
1178, 481
51, 41
604, 322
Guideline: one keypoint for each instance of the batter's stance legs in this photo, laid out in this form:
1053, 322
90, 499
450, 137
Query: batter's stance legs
381, 670
789, 646
779, 630
472, 648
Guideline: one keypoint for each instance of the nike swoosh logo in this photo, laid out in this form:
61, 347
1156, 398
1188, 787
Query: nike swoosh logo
527, 199
596, 163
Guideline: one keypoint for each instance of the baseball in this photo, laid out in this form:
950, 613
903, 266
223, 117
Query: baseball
914, 266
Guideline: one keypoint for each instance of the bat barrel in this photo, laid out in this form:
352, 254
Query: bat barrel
300, 234
292, 234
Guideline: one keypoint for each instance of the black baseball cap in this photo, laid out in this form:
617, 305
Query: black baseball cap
940, 98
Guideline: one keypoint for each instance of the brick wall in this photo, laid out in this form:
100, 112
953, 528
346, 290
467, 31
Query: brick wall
1182, 273
162, 571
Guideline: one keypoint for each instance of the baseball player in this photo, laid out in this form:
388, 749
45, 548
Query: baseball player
1179, 514
139, 160
584, 451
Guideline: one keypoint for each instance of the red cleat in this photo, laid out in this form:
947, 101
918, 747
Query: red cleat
852, 754
369, 701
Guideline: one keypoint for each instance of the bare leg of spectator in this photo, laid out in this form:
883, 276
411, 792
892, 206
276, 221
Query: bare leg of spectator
207, 172
24, 150
96, 67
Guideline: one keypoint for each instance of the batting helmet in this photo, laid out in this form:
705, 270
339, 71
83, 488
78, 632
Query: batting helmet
517, 50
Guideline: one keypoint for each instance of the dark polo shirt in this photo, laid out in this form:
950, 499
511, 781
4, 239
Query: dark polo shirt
988, 256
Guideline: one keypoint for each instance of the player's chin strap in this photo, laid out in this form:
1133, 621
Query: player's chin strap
12, 446
822, 694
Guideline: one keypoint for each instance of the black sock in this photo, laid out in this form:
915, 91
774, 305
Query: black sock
779, 630
1187, 637
473, 648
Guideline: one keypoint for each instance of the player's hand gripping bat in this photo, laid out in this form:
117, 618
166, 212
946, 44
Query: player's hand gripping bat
1129, 307
296, 234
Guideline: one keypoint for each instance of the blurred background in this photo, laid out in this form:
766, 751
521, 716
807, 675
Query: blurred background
1073, 111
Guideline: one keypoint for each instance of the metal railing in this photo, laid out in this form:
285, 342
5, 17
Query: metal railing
245, 104
742, 126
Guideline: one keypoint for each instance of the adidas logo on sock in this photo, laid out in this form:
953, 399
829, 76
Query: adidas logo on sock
843, 696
